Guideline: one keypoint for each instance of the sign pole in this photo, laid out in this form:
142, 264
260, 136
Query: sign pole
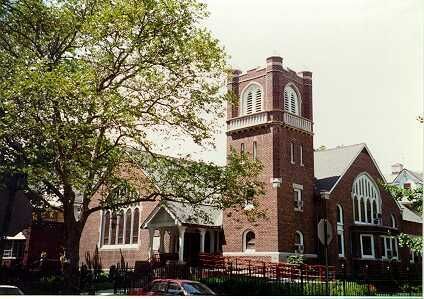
325, 197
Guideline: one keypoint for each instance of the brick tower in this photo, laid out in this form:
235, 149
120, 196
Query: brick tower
273, 122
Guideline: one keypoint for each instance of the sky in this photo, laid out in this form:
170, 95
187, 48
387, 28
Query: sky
367, 63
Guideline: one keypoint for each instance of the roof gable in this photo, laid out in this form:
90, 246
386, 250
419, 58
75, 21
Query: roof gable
414, 176
332, 164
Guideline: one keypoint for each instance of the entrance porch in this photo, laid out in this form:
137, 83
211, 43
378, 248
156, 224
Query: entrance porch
181, 232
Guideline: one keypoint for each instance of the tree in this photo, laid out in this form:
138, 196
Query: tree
415, 196
85, 85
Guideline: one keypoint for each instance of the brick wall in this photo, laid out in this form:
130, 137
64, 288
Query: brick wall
342, 195
277, 232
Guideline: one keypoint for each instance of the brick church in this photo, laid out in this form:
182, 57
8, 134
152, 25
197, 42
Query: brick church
273, 123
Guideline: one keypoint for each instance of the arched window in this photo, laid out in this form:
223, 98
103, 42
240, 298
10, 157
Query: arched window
355, 209
374, 210
369, 211
251, 99
298, 242
113, 232
106, 230
362, 210
340, 231
249, 241
135, 226
392, 221
128, 227
339, 215
366, 200
291, 100
121, 227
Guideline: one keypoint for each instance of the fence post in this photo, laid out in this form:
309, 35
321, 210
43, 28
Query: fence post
231, 268
344, 279
264, 269
366, 280
301, 278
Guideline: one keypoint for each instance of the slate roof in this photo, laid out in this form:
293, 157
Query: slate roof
195, 215
409, 215
331, 164
188, 214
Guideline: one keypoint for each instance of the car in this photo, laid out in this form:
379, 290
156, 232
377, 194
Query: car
174, 287
10, 290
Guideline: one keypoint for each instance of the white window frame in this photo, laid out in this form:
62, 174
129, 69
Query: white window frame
131, 245
301, 155
365, 189
393, 221
245, 249
411, 256
242, 148
340, 229
252, 87
287, 104
300, 247
341, 234
298, 202
365, 256
386, 249
255, 150
291, 153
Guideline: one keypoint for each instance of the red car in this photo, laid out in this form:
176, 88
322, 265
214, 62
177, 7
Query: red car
174, 287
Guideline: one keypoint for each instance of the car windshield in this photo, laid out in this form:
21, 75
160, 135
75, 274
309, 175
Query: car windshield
197, 288
10, 291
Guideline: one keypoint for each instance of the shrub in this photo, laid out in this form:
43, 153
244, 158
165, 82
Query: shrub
296, 259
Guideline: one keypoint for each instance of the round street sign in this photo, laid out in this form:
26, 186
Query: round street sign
321, 235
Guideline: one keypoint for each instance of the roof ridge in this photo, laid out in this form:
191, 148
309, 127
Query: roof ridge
340, 147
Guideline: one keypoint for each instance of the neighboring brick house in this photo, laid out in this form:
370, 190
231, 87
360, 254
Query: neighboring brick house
31, 233
273, 122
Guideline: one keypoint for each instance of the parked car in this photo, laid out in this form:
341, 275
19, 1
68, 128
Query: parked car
174, 287
10, 290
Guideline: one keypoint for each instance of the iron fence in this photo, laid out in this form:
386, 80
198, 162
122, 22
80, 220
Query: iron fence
241, 280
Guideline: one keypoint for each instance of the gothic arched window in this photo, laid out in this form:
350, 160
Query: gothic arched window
128, 227
251, 99
135, 226
291, 100
121, 227
106, 224
366, 200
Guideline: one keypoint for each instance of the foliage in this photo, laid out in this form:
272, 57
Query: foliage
415, 243
262, 287
415, 195
296, 259
86, 88
53, 284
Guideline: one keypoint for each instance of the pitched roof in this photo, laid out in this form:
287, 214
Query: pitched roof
186, 214
331, 164
198, 215
418, 175
409, 215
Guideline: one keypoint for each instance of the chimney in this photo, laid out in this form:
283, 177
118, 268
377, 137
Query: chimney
396, 168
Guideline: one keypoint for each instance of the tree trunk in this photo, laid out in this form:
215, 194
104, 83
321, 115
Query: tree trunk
73, 230
71, 268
